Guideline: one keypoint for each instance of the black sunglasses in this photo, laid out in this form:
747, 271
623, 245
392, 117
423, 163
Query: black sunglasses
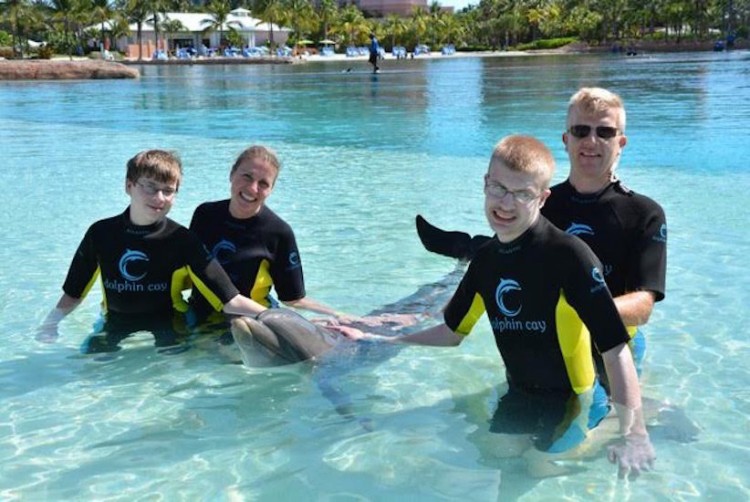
583, 131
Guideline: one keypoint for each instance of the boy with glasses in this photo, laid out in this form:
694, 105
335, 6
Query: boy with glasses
546, 300
627, 231
144, 260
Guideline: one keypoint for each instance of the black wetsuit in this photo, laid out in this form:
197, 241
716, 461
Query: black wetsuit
143, 272
257, 253
627, 232
538, 292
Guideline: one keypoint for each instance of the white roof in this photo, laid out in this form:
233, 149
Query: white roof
238, 19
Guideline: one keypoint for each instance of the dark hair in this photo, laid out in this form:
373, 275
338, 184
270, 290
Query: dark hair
161, 165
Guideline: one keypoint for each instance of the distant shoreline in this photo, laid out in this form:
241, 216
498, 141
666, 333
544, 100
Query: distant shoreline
639, 47
64, 68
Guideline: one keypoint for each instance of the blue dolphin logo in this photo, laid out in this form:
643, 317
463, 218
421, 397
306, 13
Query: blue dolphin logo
130, 256
505, 286
579, 229
223, 247
597, 275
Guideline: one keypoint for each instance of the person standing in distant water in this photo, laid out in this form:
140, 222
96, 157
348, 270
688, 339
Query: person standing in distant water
255, 246
374, 53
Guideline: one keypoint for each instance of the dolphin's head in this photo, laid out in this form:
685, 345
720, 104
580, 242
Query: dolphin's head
283, 332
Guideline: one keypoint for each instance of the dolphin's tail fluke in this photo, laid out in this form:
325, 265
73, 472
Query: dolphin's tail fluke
454, 244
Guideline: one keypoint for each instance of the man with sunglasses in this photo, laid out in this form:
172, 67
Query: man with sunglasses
627, 231
544, 294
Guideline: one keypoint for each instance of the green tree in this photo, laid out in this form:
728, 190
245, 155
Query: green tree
327, 12
352, 24
395, 27
450, 30
101, 12
170, 27
157, 13
271, 12
419, 23
66, 16
300, 17
18, 15
137, 11
219, 11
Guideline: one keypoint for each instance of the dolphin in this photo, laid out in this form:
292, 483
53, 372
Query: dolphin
283, 333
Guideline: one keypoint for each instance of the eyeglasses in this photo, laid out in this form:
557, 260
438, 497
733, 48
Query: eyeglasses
582, 131
498, 190
150, 189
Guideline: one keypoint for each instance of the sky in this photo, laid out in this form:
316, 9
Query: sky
456, 4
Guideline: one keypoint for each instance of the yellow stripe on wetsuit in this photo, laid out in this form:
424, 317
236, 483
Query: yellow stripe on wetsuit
262, 285
472, 316
575, 344
180, 278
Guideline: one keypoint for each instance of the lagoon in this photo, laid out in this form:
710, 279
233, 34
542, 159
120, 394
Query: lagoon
362, 154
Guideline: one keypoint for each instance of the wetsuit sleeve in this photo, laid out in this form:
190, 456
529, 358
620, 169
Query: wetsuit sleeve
286, 269
207, 275
466, 306
585, 290
84, 268
197, 218
650, 259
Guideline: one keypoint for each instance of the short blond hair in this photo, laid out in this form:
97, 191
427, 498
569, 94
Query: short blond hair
525, 154
161, 165
593, 100
259, 152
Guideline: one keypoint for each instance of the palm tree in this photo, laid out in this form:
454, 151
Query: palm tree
327, 12
101, 11
157, 10
435, 15
136, 12
67, 13
271, 12
17, 14
419, 23
450, 30
119, 28
219, 10
170, 27
395, 26
300, 16
352, 23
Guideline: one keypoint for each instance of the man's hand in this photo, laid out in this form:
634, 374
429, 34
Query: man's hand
633, 454
47, 334
351, 333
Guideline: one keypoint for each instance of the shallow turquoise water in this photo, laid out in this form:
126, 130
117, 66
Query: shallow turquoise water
362, 155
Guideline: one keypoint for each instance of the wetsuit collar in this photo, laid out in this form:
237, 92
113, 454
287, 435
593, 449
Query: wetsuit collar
519, 242
589, 197
134, 229
243, 221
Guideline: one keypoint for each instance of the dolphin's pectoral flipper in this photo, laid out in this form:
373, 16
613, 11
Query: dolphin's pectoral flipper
454, 244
